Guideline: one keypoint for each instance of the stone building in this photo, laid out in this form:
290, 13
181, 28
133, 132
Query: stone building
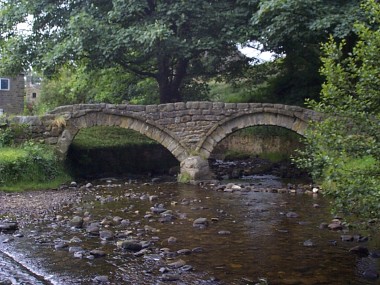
32, 90
12, 93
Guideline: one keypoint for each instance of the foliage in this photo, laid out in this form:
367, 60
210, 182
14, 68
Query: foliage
294, 29
103, 137
172, 42
28, 164
6, 137
343, 150
11, 134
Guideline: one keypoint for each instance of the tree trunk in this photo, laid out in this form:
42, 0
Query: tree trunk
170, 78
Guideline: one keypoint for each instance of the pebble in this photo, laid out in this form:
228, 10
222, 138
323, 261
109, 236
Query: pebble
347, 238
101, 279
184, 251
61, 245
97, 253
335, 226
224, 233
76, 222
200, 223
106, 235
292, 215
170, 277
177, 264
132, 245
308, 243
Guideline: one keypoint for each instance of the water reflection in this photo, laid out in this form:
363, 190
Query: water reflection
249, 238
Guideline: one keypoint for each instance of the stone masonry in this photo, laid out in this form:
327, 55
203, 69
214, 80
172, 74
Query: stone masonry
190, 130
12, 100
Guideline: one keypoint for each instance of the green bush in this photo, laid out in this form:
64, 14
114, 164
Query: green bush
343, 151
28, 164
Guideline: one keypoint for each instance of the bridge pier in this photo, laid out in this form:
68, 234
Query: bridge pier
195, 168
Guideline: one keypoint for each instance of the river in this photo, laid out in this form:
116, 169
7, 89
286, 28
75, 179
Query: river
262, 235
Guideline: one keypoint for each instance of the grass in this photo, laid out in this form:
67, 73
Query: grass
30, 166
31, 185
9, 154
107, 137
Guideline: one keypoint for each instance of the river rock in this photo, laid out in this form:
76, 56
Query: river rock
172, 240
76, 222
200, 223
131, 245
347, 238
153, 198
375, 254
184, 251
157, 210
198, 249
370, 274
117, 220
8, 226
224, 233
74, 249
236, 187
60, 245
362, 251
97, 253
335, 226
308, 243
140, 253
186, 268
291, 215
93, 229
75, 240
323, 226
177, 264
106, 235
170, 277
101, 279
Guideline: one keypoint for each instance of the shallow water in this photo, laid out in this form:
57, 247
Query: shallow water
249, 239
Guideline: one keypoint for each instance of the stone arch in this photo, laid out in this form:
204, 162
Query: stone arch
147, 128
230, 125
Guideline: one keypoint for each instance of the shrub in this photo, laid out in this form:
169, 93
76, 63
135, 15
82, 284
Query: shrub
28, 163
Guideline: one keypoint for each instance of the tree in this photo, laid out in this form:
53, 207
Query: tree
171, 41
80, 85
294, 29
343, 151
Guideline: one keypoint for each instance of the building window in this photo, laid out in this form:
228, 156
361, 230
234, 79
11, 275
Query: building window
34, 95
4, 84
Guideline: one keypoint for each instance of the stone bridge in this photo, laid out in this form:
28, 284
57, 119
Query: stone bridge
190, 130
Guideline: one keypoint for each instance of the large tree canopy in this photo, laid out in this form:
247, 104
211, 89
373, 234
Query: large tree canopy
295, 28
169, 41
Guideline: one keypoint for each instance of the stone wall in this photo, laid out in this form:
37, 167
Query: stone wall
12, 101
256, 145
